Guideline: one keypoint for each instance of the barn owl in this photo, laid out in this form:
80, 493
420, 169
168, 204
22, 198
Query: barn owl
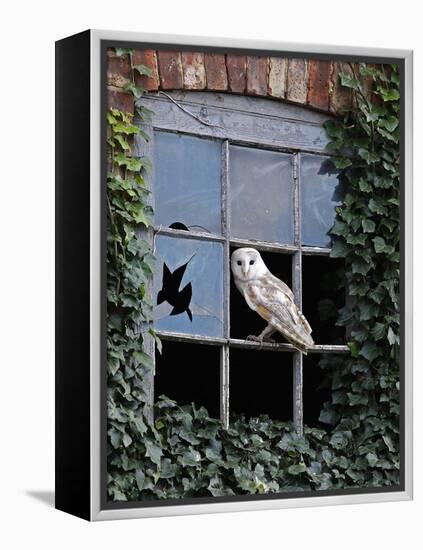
271, 298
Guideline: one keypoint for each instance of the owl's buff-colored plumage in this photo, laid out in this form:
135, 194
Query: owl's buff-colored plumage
271, 298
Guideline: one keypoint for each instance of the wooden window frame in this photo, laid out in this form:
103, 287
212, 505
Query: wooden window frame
252, 122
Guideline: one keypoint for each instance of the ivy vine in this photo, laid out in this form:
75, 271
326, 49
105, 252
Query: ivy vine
184, 452
365, 390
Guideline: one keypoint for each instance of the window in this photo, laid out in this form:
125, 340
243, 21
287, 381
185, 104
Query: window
233, 171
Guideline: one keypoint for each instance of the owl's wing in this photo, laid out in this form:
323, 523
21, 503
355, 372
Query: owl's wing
278, 308
271, 280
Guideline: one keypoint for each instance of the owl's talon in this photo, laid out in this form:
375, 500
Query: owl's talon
253, 338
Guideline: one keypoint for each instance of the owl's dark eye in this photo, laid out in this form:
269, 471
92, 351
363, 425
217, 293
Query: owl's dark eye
239, 262
251, 262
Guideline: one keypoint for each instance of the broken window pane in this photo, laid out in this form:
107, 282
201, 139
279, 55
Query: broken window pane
320, 194
261, 195
187, 182
261, 383
245, 321
188, 286
179, 377
323, 288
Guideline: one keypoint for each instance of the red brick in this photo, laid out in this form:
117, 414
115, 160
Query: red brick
278, 67
217, 78
149, 59
318, 84
340, 97
170, 69
297, 81
237, 73
257, 75
118, 70
120, 100
193, 70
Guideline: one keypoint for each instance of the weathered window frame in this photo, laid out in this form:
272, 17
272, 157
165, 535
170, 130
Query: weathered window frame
252, 122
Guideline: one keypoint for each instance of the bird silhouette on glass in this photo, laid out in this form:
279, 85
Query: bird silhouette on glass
179, 299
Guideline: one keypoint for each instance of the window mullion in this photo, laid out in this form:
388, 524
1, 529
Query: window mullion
224, 356
298, 407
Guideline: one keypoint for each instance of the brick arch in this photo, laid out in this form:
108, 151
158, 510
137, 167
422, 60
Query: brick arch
307, 82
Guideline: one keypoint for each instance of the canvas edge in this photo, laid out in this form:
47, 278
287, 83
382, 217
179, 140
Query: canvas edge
95, 277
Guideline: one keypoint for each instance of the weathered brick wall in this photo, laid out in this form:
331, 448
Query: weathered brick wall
307, 82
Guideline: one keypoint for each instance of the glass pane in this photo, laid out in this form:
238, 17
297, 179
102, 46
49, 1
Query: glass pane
320, 194
261, 195
188, 286
187, 182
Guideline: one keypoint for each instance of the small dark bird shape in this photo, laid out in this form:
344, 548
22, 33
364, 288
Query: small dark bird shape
179, 225
179, 299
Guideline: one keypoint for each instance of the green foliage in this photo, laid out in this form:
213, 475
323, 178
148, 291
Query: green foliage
185, 453
189, 454
365, 397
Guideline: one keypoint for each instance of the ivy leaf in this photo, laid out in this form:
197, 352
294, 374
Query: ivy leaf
354, 348
142, 358
110, 118
390, 123
328, 415
190, 458
157, 340
389, 95
361, 267
368, 156
369, 226
375, 112
371, 459
333, 129
123, 51
297, 469
392, 337
144, 113
357, 399
140, 479
125, 128
339, 250
378, 331
340, 440
388, 135
381, 246
153, 451
341, 163
349, 81
132, 88
143, 70
370, 351
377, 207
122, 142
364, 186
389, 443
134, 164
168, 469
214, 456
377, 294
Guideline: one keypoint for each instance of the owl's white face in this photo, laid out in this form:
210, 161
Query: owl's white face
247, 264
